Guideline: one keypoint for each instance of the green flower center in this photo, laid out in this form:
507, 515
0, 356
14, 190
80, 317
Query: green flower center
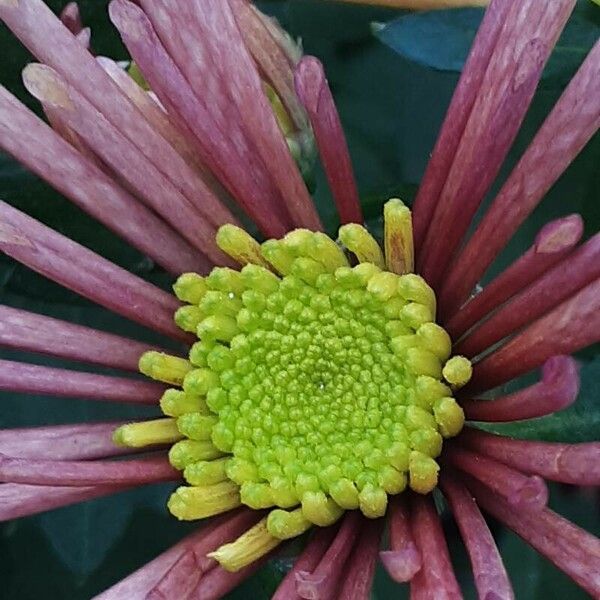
326, 387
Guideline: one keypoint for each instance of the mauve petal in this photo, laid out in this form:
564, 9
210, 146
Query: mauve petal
573, 325
578, 464
116, 151
22, 330
457, 117
81, 270
313, 90
37, 379
491, 579
47, 39
573, 121
44, 152
529, 34
579, 269
556, 391
63, 442
85, 473
571, 549
521, 491
554, 242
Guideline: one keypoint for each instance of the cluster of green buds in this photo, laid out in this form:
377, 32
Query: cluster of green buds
315, 387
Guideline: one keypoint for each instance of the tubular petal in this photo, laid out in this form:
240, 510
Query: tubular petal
524, 45
559, 283
578, 464
42, 33
403, 560
315, 95
436, 570
557, 390
361, 564
35, 379
323, 582
161, 66
160, 574
571, 549
191, 221
574, 119
22, 500
489, 572
272, 60
62, 442
307, 562
38, 147
572, 325
554, 242
457, 117
215, 19
28, 331
521, 491
84, 272
85, 473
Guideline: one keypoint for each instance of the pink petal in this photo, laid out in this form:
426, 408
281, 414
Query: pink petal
62, 442
324, 580
216, 137
556, 391
307, 562
36, 379
314, 92
403, 559
554, 242
194, 223
361, 565
578, 464
31, 332
573, 121
530, 32
85, 473
457, 117
78, 269
571, 326
521, 491
44, 152
491, 579
559, 283
571, 549
436, 574
160, 572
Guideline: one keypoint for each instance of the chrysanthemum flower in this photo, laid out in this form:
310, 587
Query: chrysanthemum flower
322, 375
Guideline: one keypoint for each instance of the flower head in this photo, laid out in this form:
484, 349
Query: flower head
324, 379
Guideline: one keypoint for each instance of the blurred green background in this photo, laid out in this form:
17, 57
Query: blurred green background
392, 90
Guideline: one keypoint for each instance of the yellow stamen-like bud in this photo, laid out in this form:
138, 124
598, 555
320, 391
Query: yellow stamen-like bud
191, 503
190, 287
449, 416
361, 243
277, 255
241, 246
372, 501
398, 235
206, 472
147, 433
423, 472
285, 525
164, 367
320, 509
457, 371
415, 289
187, 452
175, 403
250, 546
